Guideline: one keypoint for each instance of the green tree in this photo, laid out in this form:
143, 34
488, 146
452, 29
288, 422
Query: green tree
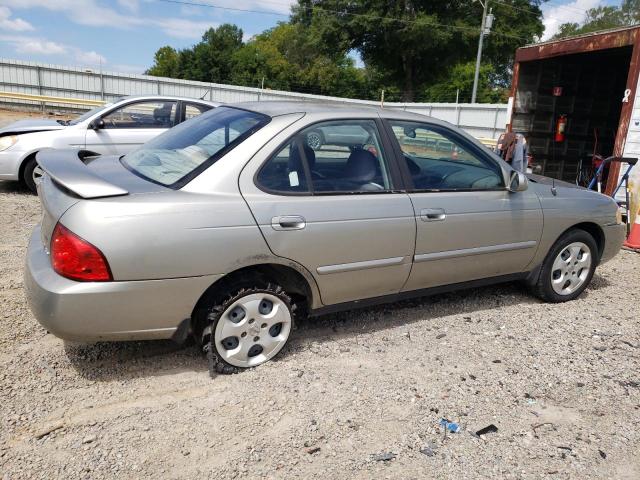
412, 43
602, 18
208, 61
459, 82
213, 56
166, 63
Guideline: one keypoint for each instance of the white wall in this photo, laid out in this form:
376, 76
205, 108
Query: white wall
480, 120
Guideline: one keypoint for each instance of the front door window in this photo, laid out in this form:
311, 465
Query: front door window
439, 161
151, 114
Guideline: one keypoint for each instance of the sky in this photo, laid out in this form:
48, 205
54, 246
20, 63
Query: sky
123, 35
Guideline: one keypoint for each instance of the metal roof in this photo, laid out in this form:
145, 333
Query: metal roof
588, 42
583, 35
275, 108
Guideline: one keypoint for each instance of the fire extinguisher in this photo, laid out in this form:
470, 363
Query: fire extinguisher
561, 125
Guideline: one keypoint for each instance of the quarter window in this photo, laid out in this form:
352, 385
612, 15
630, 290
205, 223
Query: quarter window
155, 114
331, 157
194, 109
437, 160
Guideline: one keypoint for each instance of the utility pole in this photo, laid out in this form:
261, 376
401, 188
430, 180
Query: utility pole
485, 28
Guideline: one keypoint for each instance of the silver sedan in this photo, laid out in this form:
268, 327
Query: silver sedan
229, 226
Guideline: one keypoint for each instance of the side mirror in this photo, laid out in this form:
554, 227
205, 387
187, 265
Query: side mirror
97, 124
518, 182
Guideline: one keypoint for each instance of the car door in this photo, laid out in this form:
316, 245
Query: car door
335, 210
469, 226
129, 126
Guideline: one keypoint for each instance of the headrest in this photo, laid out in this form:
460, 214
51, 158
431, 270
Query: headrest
362, 166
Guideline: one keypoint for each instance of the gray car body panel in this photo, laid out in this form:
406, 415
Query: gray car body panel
174, 244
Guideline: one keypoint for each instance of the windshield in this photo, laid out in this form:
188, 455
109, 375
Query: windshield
177, 156
88, 114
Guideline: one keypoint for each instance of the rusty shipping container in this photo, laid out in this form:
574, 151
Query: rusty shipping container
576, 97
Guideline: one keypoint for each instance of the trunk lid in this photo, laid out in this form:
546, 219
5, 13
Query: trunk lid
73, 176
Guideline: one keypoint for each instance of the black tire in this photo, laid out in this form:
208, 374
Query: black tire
315, 139
27, 174
217, 364
543, 288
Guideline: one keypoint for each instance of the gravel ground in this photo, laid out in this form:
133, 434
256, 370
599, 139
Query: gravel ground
355, 395
10, 116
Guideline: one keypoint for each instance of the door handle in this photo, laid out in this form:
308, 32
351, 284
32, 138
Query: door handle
288, 222
432, 214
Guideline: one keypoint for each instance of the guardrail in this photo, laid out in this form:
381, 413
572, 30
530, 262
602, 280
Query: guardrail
44, 99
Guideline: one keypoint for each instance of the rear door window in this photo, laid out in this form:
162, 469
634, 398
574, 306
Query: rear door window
192, 110
344, 156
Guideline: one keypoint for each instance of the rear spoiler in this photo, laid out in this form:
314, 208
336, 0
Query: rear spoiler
67, 168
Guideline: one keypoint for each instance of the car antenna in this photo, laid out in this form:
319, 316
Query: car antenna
553, 187
205, 94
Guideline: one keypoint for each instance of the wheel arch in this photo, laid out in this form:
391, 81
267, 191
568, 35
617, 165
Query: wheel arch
592, 229
23, 164
302, 289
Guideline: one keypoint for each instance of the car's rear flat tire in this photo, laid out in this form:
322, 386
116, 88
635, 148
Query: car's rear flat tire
568, 267
247, 329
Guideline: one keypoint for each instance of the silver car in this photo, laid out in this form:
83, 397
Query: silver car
114, 128
229, 226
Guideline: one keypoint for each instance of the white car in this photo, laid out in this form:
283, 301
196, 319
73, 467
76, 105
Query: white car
115, 128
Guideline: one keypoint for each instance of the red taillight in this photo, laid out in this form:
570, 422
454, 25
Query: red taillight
77, 259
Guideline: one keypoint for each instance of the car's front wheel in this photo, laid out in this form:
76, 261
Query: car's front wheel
247, 329
32, 174
568, 268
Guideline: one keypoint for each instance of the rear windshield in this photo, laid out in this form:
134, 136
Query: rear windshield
179, 155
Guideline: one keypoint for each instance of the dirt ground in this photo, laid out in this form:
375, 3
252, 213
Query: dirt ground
10, 116
354, 395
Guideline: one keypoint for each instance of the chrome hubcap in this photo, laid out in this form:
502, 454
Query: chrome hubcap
252, 330
571, 268
37, 174
314, 141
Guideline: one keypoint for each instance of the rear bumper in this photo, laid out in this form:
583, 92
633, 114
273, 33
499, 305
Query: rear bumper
614, 235
95, 311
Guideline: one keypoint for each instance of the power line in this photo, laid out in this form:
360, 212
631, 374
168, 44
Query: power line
341, 13
565, 7
514, 7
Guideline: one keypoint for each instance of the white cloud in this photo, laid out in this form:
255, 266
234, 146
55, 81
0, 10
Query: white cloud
90, 58
40, 47
43, 47
182, 28
91, 13
277, 6
13, 24
574, 11
131, 5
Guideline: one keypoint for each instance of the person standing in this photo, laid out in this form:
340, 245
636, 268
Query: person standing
513, 149
520, 154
